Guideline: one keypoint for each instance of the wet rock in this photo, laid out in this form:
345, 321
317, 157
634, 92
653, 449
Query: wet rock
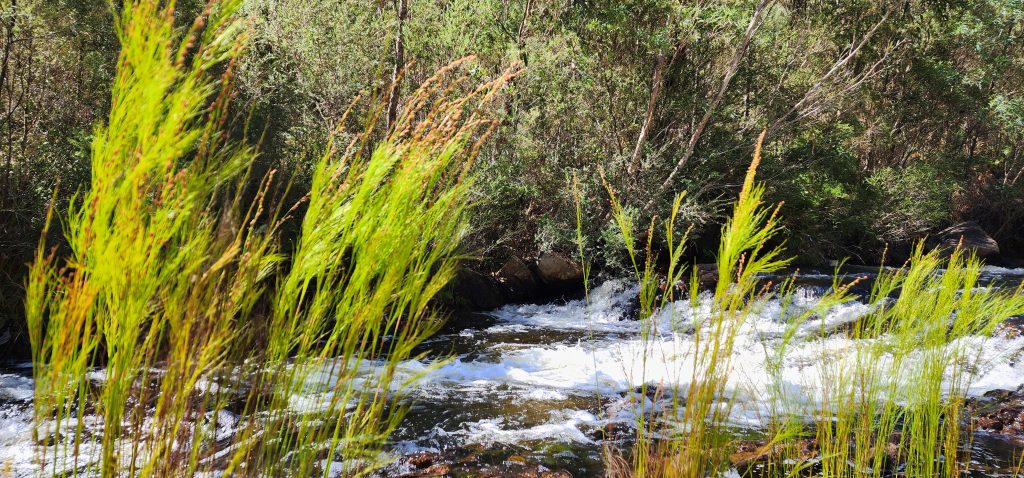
999, 394
516, 460
439, 469
423, 459
612, 432
892, 451
751, 452
481, 292
518, 279
557, 270
1012, 327
1000, 412
967, 235
471, 458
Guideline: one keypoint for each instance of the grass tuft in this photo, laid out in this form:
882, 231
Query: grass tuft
179, 337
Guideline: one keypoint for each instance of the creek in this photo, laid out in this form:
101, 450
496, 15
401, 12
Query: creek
534, 389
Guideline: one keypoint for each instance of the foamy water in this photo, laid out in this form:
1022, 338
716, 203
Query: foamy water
607, 358
560, 373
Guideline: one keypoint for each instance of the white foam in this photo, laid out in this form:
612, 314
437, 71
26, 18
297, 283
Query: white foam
563, 426
611, 364
608, 304
996, 270
15, 387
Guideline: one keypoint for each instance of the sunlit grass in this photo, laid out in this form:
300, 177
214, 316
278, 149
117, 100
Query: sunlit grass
177, 307
895, 400
175, 294
899, 397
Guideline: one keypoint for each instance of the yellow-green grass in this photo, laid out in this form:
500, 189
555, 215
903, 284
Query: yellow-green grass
896, 399
180, 293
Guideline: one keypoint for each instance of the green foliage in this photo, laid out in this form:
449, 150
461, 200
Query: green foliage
910, 202
893, 108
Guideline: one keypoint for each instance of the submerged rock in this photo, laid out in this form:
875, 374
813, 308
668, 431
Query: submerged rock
423, 459
473, 461
751, 452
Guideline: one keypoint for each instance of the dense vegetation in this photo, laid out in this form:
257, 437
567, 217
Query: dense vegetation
247, 210
886, 120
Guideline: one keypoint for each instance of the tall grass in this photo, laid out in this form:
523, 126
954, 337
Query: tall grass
153, 279
899, 396
895, 399
692, 441
143, 335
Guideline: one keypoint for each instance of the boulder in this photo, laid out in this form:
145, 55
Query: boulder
479, 291
518, 280
557, 270
707, 274
968, 235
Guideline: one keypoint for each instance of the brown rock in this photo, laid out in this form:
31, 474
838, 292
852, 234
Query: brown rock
967, 235
989, 423
470, 458
707, 274
439, 469
749, 452
516, 459
519, 281
556, 269
423, 459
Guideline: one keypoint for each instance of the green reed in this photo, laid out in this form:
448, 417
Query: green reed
692, 439
895, 398
176, 303
898, 398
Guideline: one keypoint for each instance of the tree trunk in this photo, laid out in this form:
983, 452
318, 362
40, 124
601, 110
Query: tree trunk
402, 9
756, 21
645, 129
4, 73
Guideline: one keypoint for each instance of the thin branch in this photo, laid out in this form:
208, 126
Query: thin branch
756, 20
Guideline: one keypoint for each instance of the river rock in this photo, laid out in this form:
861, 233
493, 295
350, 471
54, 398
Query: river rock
518, 279
750, 452
707, 274
439, 469
968, 235
481, 292
558, 270
1001, 412
423, 459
